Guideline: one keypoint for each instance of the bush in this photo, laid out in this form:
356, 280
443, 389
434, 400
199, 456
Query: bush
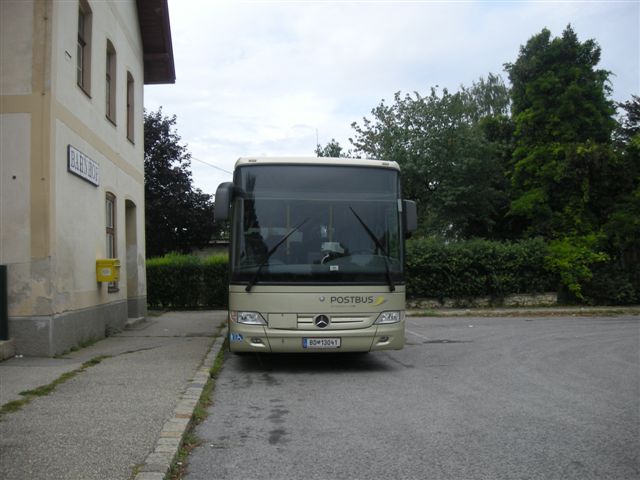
186, 281
572, 258
476, 268
612, 285
435, 269
215, 275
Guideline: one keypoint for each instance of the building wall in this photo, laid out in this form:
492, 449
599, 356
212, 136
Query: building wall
25, 183
16, 46
52, 221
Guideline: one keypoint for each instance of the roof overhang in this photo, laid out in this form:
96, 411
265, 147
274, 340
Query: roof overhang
153, 17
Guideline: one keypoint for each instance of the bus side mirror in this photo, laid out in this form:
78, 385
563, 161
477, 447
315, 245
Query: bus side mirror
224, 195
410, 217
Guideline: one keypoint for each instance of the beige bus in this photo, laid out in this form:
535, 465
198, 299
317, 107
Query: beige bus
316, 254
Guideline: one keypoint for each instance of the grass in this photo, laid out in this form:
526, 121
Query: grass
13, 406
178, 467
44, 390
81, 345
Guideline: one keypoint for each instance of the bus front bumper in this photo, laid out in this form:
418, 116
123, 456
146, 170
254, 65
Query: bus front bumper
256, 338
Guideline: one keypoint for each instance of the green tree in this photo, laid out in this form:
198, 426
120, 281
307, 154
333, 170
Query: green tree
451, 164
178, 216
564, 170
621, 280
331, 149
629, 125
563, 126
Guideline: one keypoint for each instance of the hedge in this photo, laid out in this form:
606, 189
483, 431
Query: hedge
435, 269
476, 268
187, 281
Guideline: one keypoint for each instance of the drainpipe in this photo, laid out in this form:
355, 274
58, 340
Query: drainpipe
4, 309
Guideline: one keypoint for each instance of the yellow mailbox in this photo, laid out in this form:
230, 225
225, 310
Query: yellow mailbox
108, 270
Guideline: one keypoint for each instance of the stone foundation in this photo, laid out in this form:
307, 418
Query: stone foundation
517, 300
46, 336
137, 307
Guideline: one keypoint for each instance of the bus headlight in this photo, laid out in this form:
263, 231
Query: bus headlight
388, 317
247, 318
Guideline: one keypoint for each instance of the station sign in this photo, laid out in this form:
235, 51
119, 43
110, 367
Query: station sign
81, 165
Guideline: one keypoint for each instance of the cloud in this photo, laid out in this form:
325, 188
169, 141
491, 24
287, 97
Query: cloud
264, 78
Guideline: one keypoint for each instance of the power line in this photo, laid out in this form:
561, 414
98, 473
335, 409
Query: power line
211, 165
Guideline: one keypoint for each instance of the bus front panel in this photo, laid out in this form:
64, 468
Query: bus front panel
316, 258
316, 319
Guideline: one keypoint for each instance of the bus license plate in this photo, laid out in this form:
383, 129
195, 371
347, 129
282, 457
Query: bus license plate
321, 343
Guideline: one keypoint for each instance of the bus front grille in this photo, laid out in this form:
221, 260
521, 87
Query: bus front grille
337, 322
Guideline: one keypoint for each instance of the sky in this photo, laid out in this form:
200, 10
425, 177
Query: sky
272, 78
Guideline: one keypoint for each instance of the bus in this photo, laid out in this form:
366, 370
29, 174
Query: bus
316, 256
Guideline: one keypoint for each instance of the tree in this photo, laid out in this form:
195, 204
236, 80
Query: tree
622, 226
564, 170
451, 165
331, 149
178, 216
629, 125
563, 126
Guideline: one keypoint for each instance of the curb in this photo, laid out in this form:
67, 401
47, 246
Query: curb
524, 311
134, 322
158, 463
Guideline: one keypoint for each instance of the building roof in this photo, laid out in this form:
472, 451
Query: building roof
153, 17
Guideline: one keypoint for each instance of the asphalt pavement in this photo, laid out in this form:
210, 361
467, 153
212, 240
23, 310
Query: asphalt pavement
122, 414
522, 397
537, 398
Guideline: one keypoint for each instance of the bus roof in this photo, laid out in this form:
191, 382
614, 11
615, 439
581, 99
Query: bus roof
348, 162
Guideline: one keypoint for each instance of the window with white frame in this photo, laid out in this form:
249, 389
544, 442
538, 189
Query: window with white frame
110, 83
110, 222
130, 107
111, 225
83, 50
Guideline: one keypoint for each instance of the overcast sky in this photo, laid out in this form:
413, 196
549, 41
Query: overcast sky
266, 77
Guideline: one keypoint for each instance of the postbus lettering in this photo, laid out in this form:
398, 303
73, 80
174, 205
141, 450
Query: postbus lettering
352, 299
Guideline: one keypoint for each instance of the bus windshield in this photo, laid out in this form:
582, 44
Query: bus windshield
316, 224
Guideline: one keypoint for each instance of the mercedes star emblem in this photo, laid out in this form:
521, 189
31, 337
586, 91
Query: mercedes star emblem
321, 321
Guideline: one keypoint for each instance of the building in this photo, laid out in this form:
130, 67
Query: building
72, 163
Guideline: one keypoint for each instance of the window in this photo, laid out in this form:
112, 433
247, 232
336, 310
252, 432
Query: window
111, 225
83, 53
110, 222
130, 105
110, 83
317, 224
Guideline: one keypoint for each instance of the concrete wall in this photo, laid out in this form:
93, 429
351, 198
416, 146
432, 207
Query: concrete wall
49, 335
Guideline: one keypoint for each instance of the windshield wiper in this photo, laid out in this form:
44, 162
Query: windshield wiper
271, 252
380, 247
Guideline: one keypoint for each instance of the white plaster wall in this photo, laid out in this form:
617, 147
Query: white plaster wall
16, 31
15, 188
65, 280
15, 214
79, 224
79, 211
117, 22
